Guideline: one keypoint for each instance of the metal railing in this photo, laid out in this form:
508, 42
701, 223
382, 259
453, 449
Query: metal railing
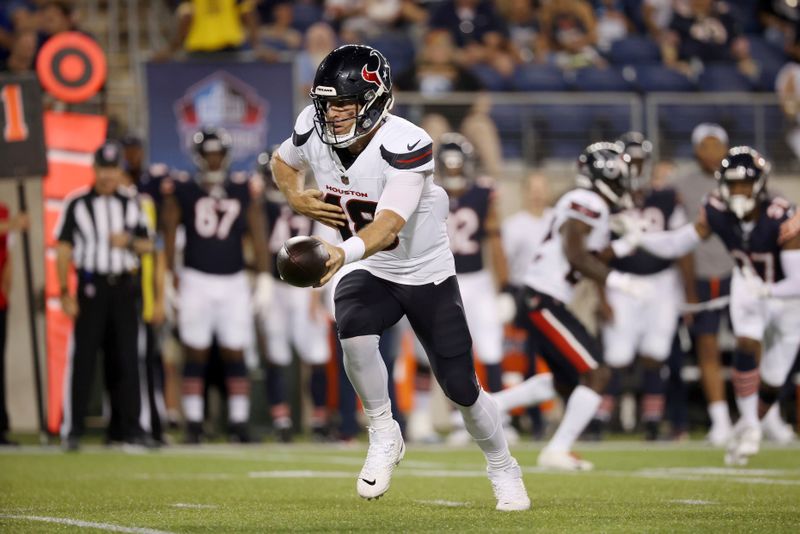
535, 120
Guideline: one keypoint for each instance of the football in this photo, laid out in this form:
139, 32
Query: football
301, 261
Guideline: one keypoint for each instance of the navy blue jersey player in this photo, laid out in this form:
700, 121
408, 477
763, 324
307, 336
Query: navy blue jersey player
295, 319
217, 209
473, 224
757, 230
643, 325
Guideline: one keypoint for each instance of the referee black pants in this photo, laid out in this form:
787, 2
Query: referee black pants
107, 319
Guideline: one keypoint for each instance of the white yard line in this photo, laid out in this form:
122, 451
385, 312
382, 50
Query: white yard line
194, 506
83, 524
300, 474
440, 502
692, 502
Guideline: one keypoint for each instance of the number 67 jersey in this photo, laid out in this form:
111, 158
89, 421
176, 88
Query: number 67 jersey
421, 254
215, 222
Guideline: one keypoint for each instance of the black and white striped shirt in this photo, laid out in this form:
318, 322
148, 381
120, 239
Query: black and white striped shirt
87, 223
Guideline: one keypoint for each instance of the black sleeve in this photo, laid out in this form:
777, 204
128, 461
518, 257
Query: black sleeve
67, 227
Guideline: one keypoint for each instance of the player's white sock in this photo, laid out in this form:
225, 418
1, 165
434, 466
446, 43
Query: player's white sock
581, 407
367, 372
485, 425
533, 391
748, 409
719, 414
192, 407
238, 408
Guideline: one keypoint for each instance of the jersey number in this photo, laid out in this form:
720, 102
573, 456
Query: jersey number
287, 225
360, 212
762, 263
207, 219
462, 225
15, 128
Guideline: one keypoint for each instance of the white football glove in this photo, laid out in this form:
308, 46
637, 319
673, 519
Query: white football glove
631, 229
506, 307
755, 284
626, 283
262, 293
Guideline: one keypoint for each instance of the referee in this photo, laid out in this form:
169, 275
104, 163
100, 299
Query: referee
102, 233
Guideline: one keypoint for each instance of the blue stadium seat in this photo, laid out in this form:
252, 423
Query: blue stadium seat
594, 79
770, 59
490, 79
305, 14
398, 49
657, 77
539, 78
746, 14
633, 50
723, 77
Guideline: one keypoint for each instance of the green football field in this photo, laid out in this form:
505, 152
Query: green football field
298, 488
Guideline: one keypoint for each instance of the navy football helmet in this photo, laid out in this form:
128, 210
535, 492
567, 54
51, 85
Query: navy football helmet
205, 143
605, 168
351, 74
742, 164
455, 162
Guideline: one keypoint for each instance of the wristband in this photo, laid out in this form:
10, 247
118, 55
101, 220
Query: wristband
354, 249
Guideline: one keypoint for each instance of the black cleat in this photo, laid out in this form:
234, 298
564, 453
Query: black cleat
194, 434
239, 433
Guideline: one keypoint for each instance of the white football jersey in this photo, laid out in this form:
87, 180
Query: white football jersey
522, 235
421, 254
550, 271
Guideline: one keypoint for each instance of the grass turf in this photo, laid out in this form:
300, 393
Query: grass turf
270, 488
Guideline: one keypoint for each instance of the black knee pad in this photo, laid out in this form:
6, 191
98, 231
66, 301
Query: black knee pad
458, 380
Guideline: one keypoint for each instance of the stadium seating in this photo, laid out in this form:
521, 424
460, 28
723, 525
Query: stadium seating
398, 49
491, 80
723, 77
607, 79
633, 50
652, 77
539, 78
305, 14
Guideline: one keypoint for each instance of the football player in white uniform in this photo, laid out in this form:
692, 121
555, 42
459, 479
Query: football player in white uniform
374, 171
216, 208
759, 233
578, 235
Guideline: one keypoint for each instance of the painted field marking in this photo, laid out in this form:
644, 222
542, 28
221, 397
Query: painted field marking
83, 524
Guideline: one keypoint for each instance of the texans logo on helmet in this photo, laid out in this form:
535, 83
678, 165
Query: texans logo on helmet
372, 76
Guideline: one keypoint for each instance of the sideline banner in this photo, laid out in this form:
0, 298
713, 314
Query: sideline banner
253, 101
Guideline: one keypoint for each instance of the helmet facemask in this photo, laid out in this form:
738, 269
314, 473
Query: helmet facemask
206, 144
742, 165
370, 110
606, 169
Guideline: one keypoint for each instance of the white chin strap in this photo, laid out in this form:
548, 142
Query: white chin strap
454, 183
214, 177
741, 205
342, 141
